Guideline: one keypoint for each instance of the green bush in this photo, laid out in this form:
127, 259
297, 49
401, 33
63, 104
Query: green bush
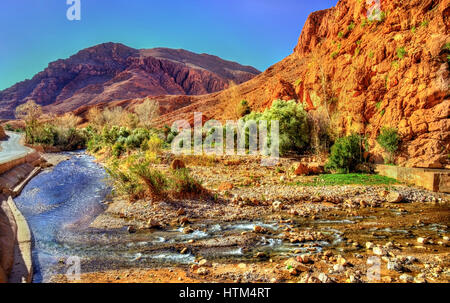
346, 154
243, 109
184, 185
293, 124
125, 183
137, 137
389, 140
155, 181
351, 26
401, 52
118, 149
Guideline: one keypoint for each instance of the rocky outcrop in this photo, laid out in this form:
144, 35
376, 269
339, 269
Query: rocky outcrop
112, 72
368, 74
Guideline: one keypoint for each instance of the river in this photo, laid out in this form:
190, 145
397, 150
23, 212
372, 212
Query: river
60, 203
57, 204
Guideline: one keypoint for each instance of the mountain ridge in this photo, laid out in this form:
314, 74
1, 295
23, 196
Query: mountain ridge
113, 71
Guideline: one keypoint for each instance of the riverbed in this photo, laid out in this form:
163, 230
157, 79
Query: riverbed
72, 214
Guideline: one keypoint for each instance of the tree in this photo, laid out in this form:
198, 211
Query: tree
346, 154
114, 116
293, 125
147, 112
30, 112
389, 140
95, 117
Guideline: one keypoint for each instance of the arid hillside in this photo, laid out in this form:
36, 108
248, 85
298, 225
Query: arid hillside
364, 74
112, 71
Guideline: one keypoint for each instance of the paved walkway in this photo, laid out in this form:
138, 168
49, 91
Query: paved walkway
12, 148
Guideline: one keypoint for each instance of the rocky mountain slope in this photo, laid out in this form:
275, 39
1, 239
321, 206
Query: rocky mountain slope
112, 71
367, 74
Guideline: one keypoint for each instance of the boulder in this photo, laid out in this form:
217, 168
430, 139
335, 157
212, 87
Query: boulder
309, 169
177, 164
394, 197
225, 186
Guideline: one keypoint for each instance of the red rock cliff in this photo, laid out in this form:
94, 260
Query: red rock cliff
391, 72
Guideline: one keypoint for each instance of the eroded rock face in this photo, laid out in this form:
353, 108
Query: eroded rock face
393, 72
112, 72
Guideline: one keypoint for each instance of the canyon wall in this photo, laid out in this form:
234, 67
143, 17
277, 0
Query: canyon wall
367, 74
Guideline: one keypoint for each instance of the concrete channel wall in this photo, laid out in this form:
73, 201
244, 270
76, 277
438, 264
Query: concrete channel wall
15, 236
437, 180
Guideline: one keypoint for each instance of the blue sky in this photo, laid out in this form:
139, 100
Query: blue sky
251, 32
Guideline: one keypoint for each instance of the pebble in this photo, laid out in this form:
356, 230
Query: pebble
369, 245
324, 278
187, 230
406, 278
338, 268
395, 265
204, 263
202, 271
422, 240
277, 206
379, 251
258, 229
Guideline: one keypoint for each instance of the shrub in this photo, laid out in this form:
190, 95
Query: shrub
364, 23
184, 185
346, 154
94, 144
401, 52
125, 182
118, 149
137, 138
389, 140
351, 26
334, 54
340, 34
155, 181
154, 144
243, 109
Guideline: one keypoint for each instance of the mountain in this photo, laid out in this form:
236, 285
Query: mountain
112, 71
368, 74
